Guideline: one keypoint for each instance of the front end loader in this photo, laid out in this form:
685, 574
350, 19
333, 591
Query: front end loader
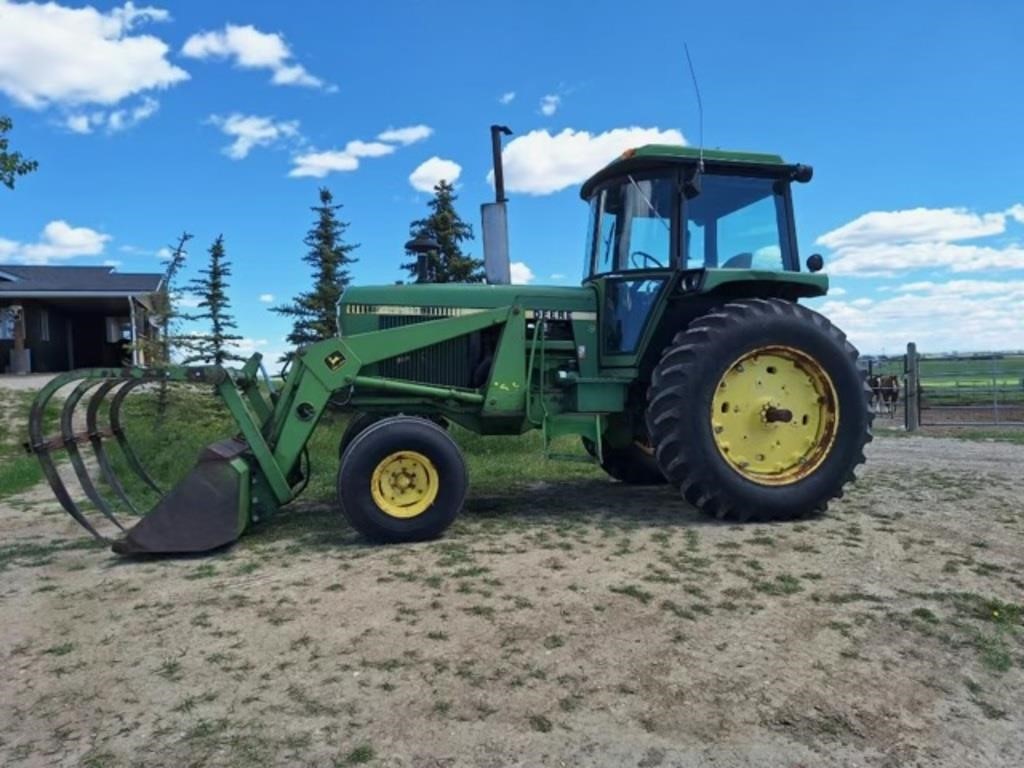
683, 358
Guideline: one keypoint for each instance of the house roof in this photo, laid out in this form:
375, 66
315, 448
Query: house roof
18, 279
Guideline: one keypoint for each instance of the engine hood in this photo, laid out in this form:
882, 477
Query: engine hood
432, 298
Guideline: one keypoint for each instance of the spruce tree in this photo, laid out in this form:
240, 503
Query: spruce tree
12, 164
157, 350
214, 346
163, 309
448, 264
315, 311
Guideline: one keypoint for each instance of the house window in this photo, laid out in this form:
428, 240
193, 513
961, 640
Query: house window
44, 325
6, 324
119, 329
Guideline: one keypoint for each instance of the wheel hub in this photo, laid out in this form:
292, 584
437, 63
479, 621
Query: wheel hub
774, 415
404, 484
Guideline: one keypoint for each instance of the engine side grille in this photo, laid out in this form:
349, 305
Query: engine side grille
449, 363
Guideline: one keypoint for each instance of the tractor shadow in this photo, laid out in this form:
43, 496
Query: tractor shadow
539, 506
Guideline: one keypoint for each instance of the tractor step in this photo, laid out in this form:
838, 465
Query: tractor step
585, 425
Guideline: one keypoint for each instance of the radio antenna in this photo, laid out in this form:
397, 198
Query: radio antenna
700, 107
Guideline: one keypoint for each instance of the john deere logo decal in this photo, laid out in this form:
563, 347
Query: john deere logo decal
334, 361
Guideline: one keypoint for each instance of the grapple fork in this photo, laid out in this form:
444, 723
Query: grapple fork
209, 508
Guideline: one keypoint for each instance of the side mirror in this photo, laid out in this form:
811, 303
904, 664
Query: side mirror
815, 262
803, 173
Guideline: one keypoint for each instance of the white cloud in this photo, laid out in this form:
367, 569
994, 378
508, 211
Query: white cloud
319, 164
121, 119
133, 250
76, 56
249, 131
359, 148
833, 292
187, 300
406, 136
79, 124
249, 48
507, 97
549, 104
520, 273
961, 288
57, 242
267, 298
246, 346
965, 315
163, 253
433, 171
918, 225
886, 260
557, 276
888, 242
114, 263
113, 121
540, 163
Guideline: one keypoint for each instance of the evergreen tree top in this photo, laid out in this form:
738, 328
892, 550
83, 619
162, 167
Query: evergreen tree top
449, 264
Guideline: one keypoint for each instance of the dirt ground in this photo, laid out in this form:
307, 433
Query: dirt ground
582, 625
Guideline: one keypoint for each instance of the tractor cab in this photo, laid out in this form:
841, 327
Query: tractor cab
658, 211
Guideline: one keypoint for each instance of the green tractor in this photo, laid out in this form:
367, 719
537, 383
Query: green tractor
683, 358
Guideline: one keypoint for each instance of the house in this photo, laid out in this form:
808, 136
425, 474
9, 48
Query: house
60, 318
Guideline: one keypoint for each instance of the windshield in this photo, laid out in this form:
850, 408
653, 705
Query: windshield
738, 222
733, 222
633, 225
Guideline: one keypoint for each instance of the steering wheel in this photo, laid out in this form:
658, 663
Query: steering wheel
645, 257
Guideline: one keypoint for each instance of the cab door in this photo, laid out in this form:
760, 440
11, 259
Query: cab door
635, 221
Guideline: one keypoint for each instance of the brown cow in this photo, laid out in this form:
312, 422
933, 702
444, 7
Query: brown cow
885, 394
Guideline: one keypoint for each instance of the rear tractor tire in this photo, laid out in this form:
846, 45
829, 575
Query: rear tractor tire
634, 464
757, 411
402, 479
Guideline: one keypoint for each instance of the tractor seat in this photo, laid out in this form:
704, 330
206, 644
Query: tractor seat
739, 261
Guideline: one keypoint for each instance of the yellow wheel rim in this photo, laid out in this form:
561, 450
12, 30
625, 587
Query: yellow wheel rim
404, 484
775, 415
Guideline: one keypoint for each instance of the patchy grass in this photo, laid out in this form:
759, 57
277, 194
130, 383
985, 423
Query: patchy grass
19, 470
564, 608
632, 590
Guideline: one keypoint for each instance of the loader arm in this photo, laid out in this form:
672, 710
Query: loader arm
333, 365
243, 478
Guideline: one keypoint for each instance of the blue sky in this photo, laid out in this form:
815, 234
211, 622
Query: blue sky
224, 118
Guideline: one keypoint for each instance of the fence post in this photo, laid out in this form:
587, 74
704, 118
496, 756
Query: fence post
995, 391
911, 403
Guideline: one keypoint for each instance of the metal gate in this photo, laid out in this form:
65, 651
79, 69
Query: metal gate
984, 389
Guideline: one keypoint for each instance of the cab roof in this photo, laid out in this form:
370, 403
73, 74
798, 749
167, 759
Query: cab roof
660, 155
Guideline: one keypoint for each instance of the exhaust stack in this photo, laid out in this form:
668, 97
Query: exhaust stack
495, 218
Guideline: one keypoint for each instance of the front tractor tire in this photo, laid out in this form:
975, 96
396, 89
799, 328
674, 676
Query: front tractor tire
402, 479
757, 411
360, 421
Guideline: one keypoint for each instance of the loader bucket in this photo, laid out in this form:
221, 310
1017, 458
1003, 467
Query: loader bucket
208, 509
